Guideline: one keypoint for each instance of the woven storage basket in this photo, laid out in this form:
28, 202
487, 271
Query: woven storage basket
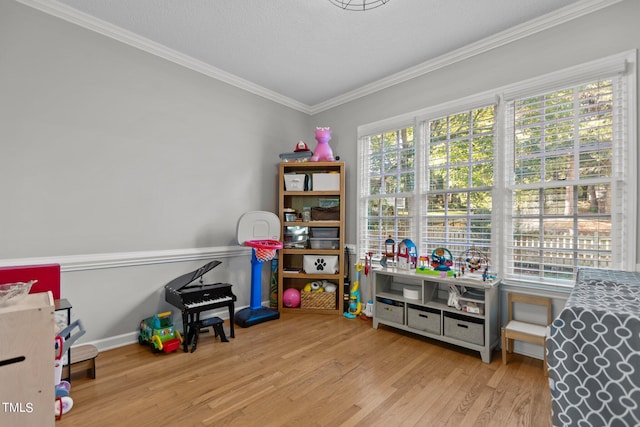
320, 214
318, 300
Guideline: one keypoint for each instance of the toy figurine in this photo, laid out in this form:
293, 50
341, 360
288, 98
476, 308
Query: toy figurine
388, 257
472, 260
441, 259
424, 262
407, 255
323, 152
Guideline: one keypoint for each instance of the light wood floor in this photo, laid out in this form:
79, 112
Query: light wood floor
310, 370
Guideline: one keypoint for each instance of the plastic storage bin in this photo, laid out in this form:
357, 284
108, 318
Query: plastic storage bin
294, 182
324, 243
325, 232
296, 237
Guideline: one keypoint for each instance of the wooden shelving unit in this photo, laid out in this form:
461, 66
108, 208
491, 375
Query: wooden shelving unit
292, 258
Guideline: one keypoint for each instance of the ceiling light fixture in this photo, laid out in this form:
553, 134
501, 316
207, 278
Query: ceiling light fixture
359, 4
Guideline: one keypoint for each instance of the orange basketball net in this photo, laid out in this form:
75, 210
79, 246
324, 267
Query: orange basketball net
265, 250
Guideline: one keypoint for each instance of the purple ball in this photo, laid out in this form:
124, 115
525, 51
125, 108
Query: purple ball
291, 298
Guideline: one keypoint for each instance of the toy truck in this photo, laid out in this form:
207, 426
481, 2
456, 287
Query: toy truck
158, 332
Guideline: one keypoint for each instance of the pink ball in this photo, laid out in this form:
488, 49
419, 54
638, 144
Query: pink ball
291, 298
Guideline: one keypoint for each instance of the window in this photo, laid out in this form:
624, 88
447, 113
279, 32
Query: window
553, 162
563, 181
459, 179
388, 190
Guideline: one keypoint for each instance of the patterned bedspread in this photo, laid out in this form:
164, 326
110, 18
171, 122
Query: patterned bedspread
593, 352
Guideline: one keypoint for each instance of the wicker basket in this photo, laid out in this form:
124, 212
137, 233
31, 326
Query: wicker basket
318, 300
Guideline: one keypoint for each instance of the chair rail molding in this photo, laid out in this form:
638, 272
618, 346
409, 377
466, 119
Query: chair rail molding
129, 259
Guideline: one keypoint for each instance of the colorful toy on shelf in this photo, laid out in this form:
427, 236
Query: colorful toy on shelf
425, 269
328, 286
320, 286
355, 304
300, 154
388, 258
323, 152
423, 262
441, 259
473, 260
439, 263
407, 255
158, 332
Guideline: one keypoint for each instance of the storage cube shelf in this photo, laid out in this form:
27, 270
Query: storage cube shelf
431, 316
326, 227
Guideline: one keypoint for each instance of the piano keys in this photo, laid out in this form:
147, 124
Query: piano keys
194, 298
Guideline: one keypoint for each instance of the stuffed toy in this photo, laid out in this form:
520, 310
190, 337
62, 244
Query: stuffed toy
323, 152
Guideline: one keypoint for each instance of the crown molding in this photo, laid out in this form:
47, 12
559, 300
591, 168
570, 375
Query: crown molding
510, 35
69, 14
518, 32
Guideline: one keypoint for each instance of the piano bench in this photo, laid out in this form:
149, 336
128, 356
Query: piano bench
216, 323
83, 353
196, 327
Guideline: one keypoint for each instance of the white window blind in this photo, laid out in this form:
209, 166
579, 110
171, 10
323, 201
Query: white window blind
387, 190
460, 175
566, 181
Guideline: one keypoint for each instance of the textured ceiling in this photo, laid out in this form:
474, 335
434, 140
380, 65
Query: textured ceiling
311, 51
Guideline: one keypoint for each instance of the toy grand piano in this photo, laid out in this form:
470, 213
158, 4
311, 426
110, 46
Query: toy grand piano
193, 298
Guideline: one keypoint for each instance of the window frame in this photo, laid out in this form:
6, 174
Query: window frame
363, 201
624, 64
469, 189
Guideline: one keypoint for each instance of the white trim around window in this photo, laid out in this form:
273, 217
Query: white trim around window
623, 64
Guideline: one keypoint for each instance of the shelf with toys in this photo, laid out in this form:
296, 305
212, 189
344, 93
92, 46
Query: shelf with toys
451, 300
311, 266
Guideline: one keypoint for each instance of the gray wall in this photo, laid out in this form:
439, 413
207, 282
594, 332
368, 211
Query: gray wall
106, 148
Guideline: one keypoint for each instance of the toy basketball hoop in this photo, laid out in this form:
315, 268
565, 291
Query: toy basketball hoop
264, 250
259, 230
